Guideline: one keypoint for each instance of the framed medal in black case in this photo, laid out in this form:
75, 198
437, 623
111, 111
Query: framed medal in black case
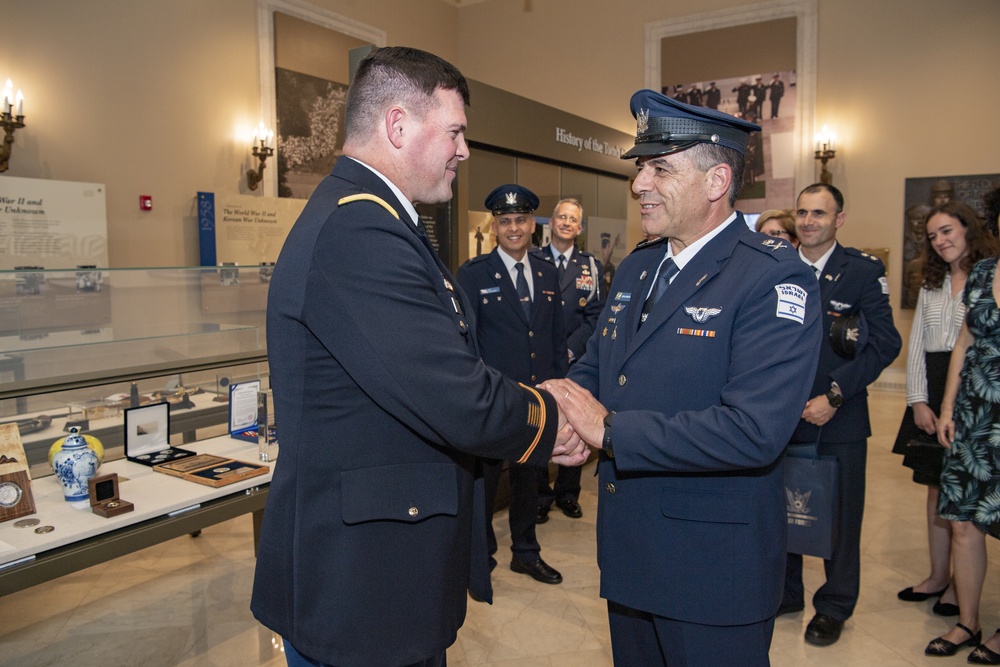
147, 436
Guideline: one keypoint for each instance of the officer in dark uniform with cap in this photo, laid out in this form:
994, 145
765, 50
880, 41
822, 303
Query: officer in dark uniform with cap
703, 356
582, 296
515, 297
853, 289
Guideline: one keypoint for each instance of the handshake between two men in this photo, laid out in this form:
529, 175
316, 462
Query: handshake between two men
581, 422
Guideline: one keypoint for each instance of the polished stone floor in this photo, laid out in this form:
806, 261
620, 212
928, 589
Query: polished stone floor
185, 602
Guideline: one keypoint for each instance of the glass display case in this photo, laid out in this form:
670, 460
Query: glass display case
79, 346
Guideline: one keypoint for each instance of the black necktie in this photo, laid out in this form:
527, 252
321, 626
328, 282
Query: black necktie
523, 295
667, 271
815, 270
562, 266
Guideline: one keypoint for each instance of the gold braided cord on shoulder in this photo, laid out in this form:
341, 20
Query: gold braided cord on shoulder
536, 418
367, 197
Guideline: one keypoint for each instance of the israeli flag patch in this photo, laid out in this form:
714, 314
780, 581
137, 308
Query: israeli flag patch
791, 302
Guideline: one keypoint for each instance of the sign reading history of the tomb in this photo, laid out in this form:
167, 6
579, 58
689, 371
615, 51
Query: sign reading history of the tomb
52, 224
244, 229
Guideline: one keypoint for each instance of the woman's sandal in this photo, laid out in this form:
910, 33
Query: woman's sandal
943, 648
983, 655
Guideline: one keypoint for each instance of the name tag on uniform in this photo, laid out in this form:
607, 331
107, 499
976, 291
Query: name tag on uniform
489, 290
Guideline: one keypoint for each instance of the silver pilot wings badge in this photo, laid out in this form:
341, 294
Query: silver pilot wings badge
702, 315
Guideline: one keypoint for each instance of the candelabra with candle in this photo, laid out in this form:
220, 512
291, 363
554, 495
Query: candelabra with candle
262, 149
11, 118
825, 151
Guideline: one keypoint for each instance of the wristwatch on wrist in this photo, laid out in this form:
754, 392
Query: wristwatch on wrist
606, 443
836, 400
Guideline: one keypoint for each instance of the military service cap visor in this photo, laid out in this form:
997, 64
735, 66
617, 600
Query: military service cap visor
664, 126
511, 199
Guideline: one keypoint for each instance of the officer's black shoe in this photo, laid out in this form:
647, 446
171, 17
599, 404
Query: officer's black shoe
537, 570
823, 630
543, 515
570, 508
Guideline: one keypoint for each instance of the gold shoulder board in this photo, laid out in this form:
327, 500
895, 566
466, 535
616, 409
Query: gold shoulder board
367, 197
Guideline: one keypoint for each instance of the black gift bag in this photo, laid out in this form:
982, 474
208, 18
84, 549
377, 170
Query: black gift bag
811, 501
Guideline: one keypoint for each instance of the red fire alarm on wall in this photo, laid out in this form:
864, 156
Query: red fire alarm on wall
145, 203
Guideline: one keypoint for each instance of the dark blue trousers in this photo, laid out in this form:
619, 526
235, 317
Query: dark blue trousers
641, 639
295, 659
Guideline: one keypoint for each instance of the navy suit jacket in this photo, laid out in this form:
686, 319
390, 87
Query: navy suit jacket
528, 352
375, 525
852, 283
691, 515
583, 295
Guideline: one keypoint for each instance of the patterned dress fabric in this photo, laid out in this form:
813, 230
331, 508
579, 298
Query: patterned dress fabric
970, 480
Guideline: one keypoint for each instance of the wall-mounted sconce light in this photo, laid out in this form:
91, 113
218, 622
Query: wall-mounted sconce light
11, 118
826, 150
262, 149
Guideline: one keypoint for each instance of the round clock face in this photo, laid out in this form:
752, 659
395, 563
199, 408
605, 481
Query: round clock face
10, 494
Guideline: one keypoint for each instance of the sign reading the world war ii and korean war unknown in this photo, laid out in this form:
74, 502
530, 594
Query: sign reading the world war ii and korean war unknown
243, 229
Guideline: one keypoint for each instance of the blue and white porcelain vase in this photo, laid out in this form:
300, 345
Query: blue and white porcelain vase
74, 465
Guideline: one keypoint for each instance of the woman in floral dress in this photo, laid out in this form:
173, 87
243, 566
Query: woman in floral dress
969, 426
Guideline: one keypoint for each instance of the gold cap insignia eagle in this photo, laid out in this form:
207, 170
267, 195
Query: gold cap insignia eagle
642, 121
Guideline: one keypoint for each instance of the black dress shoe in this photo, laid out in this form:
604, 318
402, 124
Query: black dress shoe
909, 595
570, 508
543, 515
983, 655
945, 609
538, 570
823, 630
943, 648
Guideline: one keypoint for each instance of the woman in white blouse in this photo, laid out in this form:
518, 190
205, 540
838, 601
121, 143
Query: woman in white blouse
956, 239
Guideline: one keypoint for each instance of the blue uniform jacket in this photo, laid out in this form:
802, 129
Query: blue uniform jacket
375, 525
691, 515
582, 295
528, 352
852, 283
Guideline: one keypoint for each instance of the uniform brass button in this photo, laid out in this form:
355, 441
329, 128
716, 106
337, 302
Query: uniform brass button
532, 355
610, 487
531, 334
414, 511
622, 380
533, 378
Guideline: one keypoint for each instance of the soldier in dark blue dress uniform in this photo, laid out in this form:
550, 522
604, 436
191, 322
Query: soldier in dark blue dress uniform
515, 301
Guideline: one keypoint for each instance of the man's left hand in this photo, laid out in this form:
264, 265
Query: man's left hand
818, 410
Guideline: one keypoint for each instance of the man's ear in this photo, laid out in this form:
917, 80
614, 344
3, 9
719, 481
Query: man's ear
395, 120
720, 177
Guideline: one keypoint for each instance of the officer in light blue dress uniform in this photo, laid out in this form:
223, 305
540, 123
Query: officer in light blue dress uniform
699, 381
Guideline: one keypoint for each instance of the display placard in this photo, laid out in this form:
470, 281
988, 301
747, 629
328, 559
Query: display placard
243, 410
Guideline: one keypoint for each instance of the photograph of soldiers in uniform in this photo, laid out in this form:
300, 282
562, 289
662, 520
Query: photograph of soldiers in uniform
921, 194
765, 98
310, 116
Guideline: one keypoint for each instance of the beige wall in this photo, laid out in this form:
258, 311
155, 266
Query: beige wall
146, 95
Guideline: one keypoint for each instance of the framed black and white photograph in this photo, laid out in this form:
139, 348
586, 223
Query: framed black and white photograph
310, 114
